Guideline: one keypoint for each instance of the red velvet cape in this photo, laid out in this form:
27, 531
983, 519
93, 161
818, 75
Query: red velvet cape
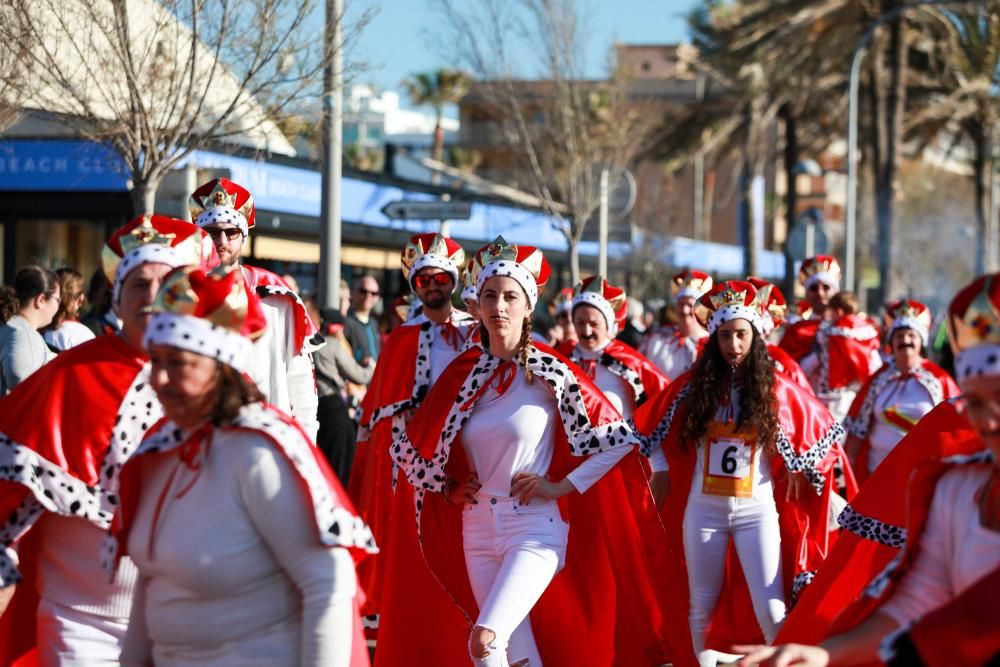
66, 418
611, 603
799, 338
642, 376
845, 350
814, 441
267, 284
787, 366
873, 524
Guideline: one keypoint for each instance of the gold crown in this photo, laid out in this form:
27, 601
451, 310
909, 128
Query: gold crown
979, 323
499, 250
426, 244
144, 234
728, 297
599, 286
692, 279
178, 296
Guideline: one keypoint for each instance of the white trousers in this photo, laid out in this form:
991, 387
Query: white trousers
709, 522
512, 552
71, 638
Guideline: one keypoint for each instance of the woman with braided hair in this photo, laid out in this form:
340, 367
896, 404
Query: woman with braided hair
516, 459
742, 457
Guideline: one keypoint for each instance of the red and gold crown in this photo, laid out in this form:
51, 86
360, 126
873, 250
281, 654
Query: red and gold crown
208, 313
908, 314
771, 302
974, 327
469, 282
610, 300
155, 238
822, 268
432, 250
690, 284
229, 198
732, 300
525, 264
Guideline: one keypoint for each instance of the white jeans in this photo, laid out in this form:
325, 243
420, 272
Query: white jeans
709, 522
512, 552
71, 638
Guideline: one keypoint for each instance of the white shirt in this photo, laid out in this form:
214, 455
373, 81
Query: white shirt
955, 549
285, 378
237, 575
69, 334
672, 354
443, 351
615, 388
906, 396
514, 432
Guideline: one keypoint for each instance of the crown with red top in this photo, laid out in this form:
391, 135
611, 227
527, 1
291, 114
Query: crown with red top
732, 300
432, 250
974, 328
563, 301
690, 285
908, 314
469, 282
771, 302
222, 203
208, 313
608, 299
154, 239
821, 268
525, 264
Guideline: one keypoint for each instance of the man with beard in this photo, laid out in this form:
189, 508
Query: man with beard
66, 431
626, 377
412, 359
282, 367
820, 276
893, 400
673, 348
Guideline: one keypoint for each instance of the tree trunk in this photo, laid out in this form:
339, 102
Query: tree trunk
980, 163
573, 248
890, 124
791, 158
144, 194
437, 151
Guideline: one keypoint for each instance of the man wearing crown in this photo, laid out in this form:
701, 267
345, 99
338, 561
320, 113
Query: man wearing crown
625, 376
673, 348
282, 367
66, 432
928, 595
820, 276
411, 360
895, 398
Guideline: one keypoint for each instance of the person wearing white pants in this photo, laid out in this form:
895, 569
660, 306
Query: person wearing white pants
725, 446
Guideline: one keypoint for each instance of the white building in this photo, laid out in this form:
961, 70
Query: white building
372, 119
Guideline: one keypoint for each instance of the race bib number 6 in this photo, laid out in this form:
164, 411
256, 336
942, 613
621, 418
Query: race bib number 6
729, 462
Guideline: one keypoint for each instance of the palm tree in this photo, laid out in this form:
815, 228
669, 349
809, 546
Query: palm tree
437, 89
961, 101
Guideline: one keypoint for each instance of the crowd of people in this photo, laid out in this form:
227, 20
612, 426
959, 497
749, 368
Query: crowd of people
201, 467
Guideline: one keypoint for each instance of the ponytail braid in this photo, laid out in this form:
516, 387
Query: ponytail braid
525, 345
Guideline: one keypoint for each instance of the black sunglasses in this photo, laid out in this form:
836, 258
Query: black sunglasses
230, 232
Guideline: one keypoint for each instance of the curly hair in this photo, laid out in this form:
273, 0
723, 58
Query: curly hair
710, 378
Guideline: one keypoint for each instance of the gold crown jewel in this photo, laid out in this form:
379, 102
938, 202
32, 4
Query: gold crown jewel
500, 249
219, 197
907, 310
728, 297
142, 235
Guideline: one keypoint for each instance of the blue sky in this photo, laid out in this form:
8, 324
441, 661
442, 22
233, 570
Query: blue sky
395, 43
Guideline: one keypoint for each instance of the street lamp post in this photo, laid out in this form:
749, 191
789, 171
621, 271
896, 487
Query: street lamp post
333, 95
850, 241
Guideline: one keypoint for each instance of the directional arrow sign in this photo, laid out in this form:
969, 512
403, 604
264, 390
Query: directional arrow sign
428, 210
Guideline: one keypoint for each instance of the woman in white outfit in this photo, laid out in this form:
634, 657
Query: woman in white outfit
518, 440
244, 540
735, 448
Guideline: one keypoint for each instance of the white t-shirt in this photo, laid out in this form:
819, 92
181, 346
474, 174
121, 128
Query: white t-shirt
514, 432
906, 396
69, 334
955, 549
615, 388
671, 353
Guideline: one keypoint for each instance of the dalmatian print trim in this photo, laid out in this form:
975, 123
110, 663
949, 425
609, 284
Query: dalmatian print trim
584, 438
27, 513
150, 253
978, 360
508, 267
338, 527
370, 622
421, 380
195, 334
138, 412
728, 313
799, 584
807, 461
617, 368
659, 434
223, 216
868, 528
861, 424
877, 587
309, 344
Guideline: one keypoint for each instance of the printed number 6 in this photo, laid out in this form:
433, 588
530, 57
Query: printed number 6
728, 460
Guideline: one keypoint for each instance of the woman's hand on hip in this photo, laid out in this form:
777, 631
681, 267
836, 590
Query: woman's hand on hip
460, 493
526, 486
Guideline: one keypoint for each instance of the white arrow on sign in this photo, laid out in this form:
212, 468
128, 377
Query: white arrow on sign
428, 210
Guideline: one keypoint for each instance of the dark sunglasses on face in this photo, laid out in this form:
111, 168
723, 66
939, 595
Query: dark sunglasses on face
424, 279
365, 292
230, 232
